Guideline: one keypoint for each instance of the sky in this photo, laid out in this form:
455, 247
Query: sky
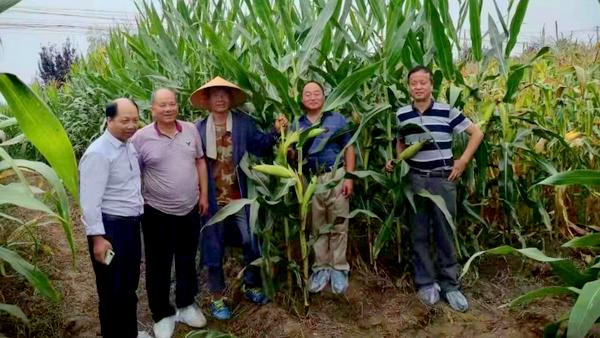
31, 24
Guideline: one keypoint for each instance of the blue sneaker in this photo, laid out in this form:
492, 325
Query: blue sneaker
220, 310
256, 296
430, 294
318, 280
339, 281
457, 300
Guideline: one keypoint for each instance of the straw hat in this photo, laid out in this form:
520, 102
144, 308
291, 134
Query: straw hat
200, 96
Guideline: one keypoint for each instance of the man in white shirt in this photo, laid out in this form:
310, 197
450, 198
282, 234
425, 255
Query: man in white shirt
112, 205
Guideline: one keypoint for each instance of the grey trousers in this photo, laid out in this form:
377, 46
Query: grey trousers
429, 226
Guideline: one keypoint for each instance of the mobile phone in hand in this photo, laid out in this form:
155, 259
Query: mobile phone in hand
108, 256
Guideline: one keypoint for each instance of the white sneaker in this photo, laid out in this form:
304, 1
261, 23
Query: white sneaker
165, 327
143, 334
192, 316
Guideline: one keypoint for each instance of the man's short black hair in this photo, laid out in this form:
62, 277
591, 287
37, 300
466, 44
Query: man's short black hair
420, 68
315, 82
111, 108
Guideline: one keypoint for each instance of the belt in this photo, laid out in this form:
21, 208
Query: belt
433, 173
122, 218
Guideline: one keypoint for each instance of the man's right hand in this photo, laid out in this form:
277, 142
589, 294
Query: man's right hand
389, 166
101, 245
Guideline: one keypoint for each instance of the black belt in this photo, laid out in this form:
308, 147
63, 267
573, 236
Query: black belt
121, 218
433, 173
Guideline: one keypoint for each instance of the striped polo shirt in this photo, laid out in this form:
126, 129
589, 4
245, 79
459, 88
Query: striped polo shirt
437, 124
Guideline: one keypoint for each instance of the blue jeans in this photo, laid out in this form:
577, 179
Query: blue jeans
117, 283
429, 225
235, 231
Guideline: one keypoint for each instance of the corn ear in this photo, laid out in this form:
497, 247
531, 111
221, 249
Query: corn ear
274, 170
310, 190
315, 132
411, 151
308, 194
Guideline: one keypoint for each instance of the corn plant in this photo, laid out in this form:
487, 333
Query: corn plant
540, 110
584, 285
40, 126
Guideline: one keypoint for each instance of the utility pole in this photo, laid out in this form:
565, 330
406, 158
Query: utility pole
556, 29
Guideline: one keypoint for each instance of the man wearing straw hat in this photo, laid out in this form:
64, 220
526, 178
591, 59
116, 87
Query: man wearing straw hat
175, 190
226, 136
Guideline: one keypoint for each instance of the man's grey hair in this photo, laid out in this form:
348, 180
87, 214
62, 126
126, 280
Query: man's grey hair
153, 96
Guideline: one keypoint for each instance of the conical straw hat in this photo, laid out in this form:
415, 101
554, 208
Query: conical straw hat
199, 97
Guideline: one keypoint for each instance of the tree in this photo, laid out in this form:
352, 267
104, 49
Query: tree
55, 63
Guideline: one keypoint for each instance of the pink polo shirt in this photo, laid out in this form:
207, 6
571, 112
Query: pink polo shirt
170, 177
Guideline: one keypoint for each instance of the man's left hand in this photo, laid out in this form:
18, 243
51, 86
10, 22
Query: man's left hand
203, 205
457, 169
347, 188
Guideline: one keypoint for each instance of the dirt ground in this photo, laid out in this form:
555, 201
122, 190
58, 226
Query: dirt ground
377, 304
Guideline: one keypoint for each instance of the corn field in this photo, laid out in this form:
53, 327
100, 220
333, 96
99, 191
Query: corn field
540, 111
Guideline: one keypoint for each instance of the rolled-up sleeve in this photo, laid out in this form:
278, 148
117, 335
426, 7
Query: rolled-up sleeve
93, 170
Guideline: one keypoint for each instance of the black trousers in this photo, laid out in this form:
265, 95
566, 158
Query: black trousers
167, 236
117, 283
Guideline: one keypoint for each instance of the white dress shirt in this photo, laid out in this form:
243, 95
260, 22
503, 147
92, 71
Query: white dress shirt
110, 183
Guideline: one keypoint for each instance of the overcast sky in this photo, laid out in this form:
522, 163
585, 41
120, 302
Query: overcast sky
31, 24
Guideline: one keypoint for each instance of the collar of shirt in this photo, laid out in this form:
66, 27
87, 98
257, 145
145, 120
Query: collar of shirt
113, 140
177, 126
305, 122
415, 109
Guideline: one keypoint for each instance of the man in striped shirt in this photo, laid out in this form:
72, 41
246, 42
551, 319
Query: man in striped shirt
435, 170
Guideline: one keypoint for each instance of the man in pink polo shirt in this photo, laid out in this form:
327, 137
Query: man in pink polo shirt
175, 193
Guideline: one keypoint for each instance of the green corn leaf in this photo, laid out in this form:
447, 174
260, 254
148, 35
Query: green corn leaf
512, 84
6, 4
365, 212
20, 195
579, 176
542, 293
313, 39
501, 18
441, 205
42, 129
586, 310
62, 200
206, 333
14, 311
440, 40
230, 209
563, 268
475, 26
35, 277
587, 241
515, 26
349, 86
496, 41
263, 10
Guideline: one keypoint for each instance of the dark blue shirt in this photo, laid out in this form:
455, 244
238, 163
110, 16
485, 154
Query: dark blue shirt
324, 149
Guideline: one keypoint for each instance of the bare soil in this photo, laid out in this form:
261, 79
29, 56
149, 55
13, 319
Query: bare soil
378, 304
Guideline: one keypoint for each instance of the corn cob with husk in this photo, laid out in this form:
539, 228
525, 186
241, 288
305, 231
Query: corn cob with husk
274, 170
410, 151
308, 194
